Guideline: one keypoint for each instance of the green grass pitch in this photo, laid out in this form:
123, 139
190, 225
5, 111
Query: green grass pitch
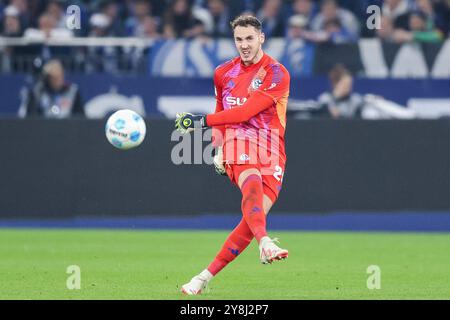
153, 264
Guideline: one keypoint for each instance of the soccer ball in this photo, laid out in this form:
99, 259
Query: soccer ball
125, 129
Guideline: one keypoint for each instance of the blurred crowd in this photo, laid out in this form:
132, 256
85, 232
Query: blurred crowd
337, 21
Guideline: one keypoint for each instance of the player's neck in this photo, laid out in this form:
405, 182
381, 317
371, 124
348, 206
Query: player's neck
257, 59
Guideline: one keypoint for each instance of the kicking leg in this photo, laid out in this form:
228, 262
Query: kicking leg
235, 244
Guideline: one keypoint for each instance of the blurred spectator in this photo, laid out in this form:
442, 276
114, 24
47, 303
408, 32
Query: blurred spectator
397, 11
56, 8
315, 21
435, 18
110, 8
24, 16
180, 22
419, 30
358, 7
306, 8
442, 7
141, 9
336, 33
11, 22
10, 28
221, 18
339, 24
136, 58
341, 102
157, 7
386, 31
201, 13
148, 28
271, 17
53, 96
298, 29
102, 58
47, 28
100, 25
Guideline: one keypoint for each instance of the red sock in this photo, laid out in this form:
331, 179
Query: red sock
236, 242
252, 205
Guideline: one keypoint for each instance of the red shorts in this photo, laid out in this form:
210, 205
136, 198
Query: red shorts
246, 156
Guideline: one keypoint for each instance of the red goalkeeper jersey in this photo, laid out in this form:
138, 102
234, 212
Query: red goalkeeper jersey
251, 102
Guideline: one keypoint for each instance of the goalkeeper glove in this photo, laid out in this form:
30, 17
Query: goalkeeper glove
218, 162
186, 122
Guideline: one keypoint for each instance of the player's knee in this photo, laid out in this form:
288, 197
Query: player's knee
267, 204
247, 175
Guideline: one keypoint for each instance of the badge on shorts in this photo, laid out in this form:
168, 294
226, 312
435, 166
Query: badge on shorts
244, 157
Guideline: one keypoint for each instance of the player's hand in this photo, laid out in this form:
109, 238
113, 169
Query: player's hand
218, 162
186, 122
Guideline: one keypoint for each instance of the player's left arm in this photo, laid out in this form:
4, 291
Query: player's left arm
274, 87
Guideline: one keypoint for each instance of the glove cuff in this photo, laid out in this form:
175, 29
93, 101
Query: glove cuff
203, 122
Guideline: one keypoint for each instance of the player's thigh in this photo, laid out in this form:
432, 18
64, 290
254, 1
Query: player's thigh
272, 177
243, 172
246, 172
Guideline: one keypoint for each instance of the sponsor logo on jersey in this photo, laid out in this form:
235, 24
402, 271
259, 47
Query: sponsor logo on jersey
233, 101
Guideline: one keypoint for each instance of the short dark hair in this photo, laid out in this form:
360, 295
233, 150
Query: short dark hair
246, 21
337, 73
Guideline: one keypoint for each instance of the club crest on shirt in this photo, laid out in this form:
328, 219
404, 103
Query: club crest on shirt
256, 83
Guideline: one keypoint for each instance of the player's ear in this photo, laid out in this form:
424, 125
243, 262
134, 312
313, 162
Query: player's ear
262, 37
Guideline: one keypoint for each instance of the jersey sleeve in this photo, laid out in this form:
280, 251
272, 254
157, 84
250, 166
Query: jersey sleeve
274, 87
218, 131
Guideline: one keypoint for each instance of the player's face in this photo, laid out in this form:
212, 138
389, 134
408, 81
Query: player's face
248, 41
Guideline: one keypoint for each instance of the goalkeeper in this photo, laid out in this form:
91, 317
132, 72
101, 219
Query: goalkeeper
251, 97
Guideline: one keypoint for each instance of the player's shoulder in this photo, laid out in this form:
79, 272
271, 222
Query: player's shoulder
277, 70
275, 66
227, 65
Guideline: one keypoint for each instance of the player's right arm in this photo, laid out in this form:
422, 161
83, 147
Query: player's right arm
218, 131
274, 88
